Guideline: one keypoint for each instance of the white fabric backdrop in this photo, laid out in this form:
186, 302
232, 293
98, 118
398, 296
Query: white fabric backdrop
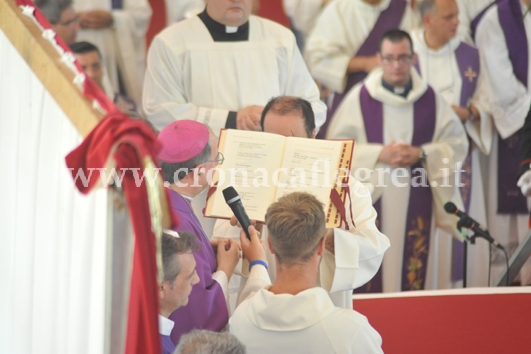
52, 238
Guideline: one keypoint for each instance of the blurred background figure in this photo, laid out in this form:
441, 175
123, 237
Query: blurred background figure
89, 57
118, 28
206, 342
62, 17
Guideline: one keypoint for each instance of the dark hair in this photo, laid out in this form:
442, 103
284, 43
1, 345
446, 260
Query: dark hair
284, 105
171, 246
84, 47
395, 36
170, 169
52, 9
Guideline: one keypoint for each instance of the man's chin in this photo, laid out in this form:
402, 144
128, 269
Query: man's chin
236, 18
399, 81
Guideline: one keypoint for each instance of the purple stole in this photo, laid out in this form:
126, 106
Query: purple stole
207, 308
117, 4
389, 19
469, 68
419, 213
510, 199
475, 22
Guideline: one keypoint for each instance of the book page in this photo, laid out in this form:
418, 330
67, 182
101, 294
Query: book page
310, 166
250, 159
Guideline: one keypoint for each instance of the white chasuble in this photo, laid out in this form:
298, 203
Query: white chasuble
307, 322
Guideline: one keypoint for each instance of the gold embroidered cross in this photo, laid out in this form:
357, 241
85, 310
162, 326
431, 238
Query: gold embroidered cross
471, 74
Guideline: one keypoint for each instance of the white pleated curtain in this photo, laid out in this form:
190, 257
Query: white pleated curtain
52, 238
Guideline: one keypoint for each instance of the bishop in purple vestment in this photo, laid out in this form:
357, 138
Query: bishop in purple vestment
189, 152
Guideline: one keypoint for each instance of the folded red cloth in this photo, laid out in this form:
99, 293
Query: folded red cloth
129, 142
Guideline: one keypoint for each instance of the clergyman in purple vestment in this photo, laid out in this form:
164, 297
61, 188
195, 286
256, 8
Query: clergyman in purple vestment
189, 152
407, 140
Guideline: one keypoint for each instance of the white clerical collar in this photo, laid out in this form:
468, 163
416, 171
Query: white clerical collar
190, 199
165, 325
399, 90
231, 29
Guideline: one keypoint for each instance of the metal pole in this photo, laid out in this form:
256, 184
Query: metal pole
465, 253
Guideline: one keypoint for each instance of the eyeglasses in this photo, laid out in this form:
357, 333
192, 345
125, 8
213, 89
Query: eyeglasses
219, 159
402, 59
73, 21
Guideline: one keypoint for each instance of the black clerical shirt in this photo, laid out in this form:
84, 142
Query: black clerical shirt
219, 33
400, 91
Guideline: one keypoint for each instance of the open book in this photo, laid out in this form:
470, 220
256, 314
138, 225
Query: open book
263, 167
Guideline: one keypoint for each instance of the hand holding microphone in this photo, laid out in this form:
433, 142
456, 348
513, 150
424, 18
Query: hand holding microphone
233, 200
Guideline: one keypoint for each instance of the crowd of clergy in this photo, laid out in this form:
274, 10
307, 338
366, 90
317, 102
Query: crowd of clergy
435, 94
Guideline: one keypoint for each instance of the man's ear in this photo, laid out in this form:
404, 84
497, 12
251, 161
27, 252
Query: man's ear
321, 247
269, 245
379, 58
426, 20
314, 133
414, 60
161, 291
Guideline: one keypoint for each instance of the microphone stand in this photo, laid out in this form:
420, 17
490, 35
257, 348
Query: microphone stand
468, 239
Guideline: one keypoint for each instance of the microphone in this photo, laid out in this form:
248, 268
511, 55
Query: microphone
232, 198
467, 222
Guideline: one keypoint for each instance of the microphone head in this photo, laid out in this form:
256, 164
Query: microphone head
230, 194
450, 208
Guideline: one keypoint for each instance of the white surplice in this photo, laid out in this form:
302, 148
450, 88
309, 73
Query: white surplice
447, 149
358, 251
190, 76
338, 34
468, 11
304, 323
510, 103
182, 9
123, 45
440, 70
303, 14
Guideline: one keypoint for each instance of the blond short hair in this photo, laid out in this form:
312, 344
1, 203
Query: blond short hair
296, 225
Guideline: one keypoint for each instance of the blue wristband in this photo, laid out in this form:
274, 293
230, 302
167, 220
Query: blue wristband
258, 261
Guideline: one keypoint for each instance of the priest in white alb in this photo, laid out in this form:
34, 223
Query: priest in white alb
221, 66
504, 38
452, 67
118, 28
408, 142
342, 47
